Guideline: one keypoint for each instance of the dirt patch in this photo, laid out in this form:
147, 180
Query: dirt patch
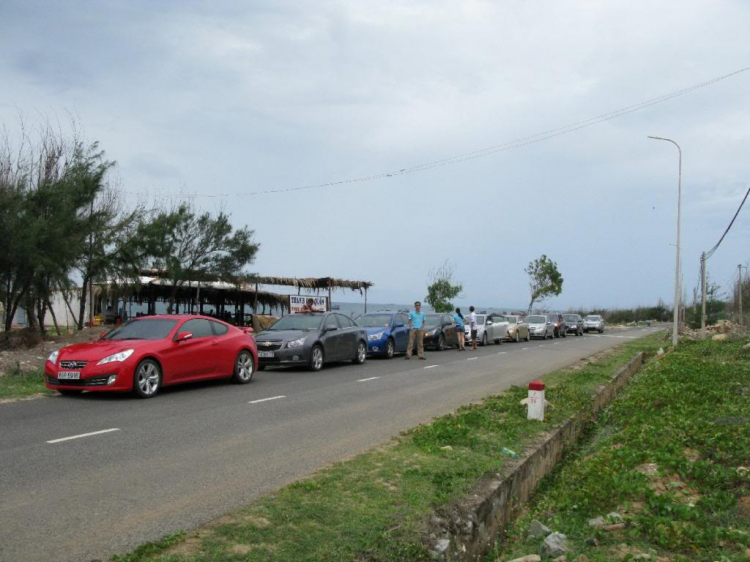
189, 546
669, 483
625, 552
21, 357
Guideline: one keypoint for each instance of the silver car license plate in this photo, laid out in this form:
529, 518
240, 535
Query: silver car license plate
69, 375
268, 354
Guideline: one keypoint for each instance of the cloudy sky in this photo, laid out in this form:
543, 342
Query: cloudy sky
232, 98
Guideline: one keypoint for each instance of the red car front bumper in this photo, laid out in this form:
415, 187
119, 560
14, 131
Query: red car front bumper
92, 377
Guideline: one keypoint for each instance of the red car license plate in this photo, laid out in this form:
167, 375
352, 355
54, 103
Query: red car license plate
69, 375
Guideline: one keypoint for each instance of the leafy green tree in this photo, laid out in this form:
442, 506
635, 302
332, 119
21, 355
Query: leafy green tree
545, 280
48, 184
716, 306
441, 288
111, 247
189, 246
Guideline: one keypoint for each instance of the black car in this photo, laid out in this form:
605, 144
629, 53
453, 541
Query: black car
558, 322
440, 331
574, 324
311, 339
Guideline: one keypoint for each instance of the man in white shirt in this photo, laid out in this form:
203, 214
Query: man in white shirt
473, 327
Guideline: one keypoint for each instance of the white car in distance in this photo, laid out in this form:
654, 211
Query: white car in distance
540, 326
593, 322
490, 328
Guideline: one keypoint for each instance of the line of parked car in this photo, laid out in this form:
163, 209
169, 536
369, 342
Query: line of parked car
150, 352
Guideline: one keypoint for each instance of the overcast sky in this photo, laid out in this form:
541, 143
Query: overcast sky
242, 97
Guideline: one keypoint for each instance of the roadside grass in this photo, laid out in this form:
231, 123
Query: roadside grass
20, 384
671, 456
375, 506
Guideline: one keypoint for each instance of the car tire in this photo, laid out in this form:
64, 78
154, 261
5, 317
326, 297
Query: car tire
147, 379
390, 348
361, 355
498, 341
518, 337
67, 392
244, 367
441, 342
551, 336
601, 331
317, 358
564, 333
260, 367
528, 336
484, 339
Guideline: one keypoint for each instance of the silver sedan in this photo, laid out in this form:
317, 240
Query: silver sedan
540, 326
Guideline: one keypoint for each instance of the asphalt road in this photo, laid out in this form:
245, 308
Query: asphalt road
195, 452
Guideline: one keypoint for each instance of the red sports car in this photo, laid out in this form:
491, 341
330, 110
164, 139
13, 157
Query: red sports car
154, 351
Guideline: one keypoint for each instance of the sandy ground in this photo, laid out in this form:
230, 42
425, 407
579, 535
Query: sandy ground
32, 359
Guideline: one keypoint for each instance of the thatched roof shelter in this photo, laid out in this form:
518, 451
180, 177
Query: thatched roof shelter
154, 285
311, 283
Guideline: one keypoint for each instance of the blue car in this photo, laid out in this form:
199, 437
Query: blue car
387, 332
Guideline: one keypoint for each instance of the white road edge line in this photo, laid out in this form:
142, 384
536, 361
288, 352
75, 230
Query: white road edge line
472, 358
431, 366
265, 399
368, 379
84, 435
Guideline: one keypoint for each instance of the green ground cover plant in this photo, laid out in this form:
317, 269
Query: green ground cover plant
21, 384
671, 456
375, 506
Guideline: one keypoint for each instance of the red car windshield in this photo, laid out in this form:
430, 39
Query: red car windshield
142, 329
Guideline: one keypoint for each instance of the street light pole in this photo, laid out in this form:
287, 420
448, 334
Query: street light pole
675, 327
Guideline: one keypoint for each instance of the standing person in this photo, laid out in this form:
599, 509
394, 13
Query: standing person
416, 330
460, 327
473, 327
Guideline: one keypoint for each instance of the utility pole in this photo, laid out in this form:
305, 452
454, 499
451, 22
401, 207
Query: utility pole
703, 296
677, 290
739, 287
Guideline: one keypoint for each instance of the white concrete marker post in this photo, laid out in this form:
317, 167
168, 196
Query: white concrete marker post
536, 400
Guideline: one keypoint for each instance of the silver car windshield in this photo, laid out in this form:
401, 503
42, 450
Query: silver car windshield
297, 322
536, 320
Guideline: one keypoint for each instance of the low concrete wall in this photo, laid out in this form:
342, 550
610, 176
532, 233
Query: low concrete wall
475, 524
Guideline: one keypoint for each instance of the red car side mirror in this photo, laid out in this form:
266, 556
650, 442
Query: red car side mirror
184, 336
248, 330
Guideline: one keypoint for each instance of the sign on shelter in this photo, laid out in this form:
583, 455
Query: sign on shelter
296, 302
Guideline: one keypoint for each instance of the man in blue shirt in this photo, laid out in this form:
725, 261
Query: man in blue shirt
416, 325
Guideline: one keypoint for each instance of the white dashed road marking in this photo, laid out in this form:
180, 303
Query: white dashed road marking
502, 353
84, 435
369, 379
266, 399
472, 358
431, 366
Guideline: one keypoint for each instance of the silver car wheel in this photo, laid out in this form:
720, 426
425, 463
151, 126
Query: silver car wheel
361, 352
148, 379
317, 358
245, 367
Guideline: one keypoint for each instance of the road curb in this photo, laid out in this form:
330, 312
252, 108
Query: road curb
469, 530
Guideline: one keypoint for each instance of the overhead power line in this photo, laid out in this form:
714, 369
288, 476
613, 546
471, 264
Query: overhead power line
716, 247
463, 157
